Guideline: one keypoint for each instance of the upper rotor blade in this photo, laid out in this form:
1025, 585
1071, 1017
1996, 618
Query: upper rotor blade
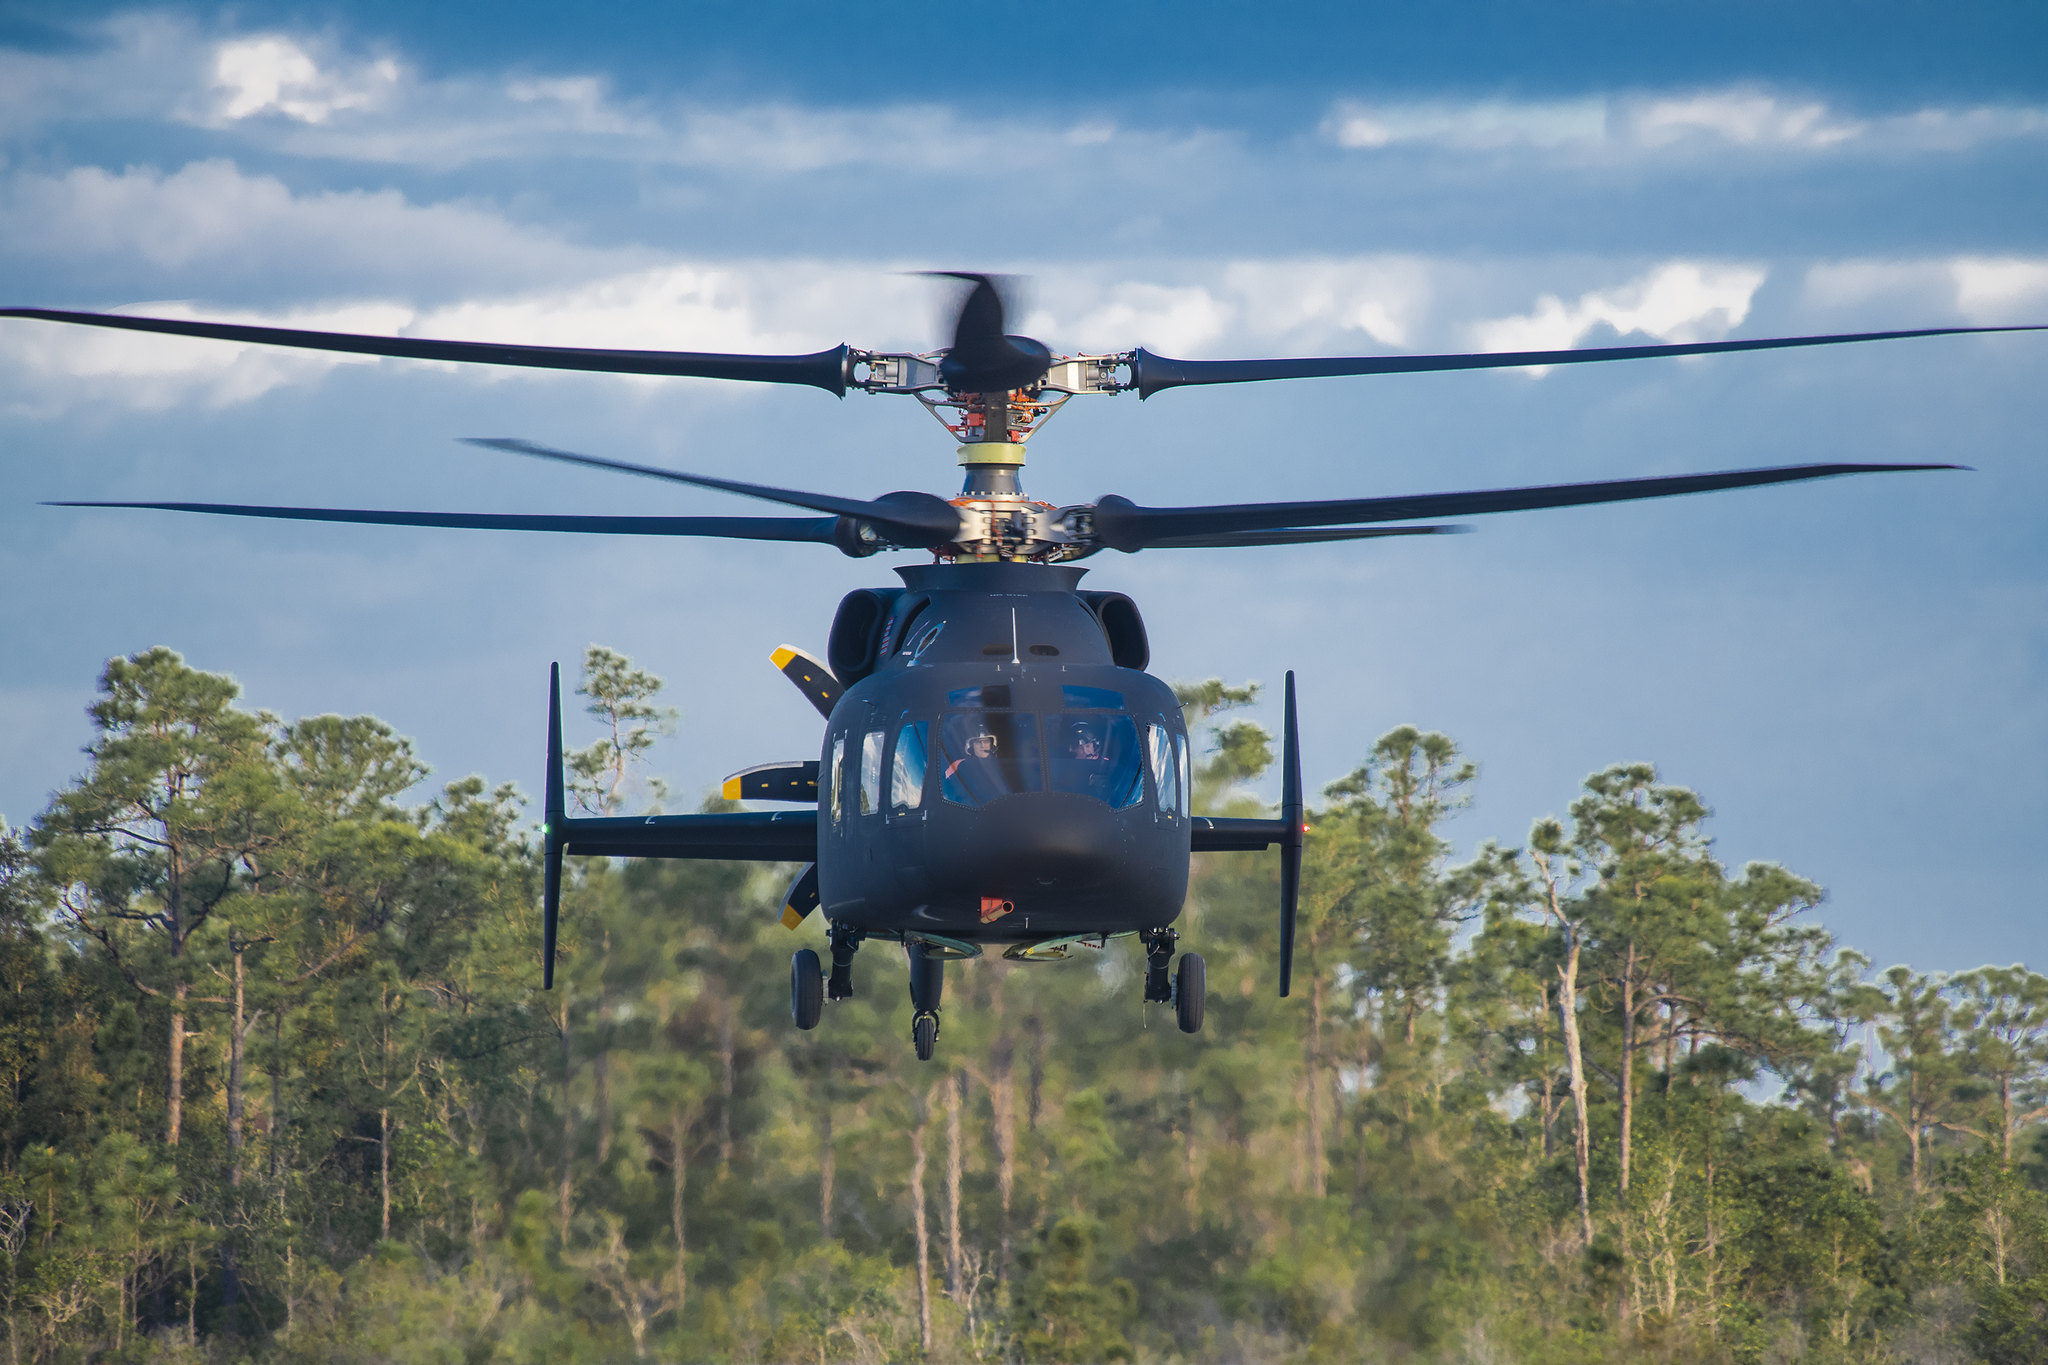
1298, 536
924, 518
1124, 525
982, 358
1152, 373
824, 370
815, 529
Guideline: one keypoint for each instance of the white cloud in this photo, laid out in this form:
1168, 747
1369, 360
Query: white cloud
71, 366
1744, 117
1483, 124
1648, 122
274, 75
1678, 302
1983, 291
214, 216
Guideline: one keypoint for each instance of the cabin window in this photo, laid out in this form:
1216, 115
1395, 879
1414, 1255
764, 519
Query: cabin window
906, 773
987, 755
996, 695
1165, 775
832, 784
1187, 786
871, 771
1098, 756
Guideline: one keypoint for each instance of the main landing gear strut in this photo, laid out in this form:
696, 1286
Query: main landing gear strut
1185, 990
927, 983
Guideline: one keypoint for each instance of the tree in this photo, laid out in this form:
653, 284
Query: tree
622, 700
176, 814
2002, 1015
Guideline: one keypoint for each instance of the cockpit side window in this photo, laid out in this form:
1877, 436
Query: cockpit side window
987, 754
906, 772
1185, 785
1165, 767
871, 771
833, 784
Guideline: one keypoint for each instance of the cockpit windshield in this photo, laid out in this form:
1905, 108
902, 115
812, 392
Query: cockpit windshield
1098, 756
988, 754
1099, 753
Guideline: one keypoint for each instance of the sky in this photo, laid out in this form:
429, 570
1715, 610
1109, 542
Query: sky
1852, 673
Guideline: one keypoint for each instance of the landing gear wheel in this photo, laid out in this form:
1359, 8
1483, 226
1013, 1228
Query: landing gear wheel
924, 1033
1189, 986
806, 989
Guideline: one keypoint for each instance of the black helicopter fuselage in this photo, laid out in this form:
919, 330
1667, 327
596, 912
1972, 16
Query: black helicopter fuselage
995, 774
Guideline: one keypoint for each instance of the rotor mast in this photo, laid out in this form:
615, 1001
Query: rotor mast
998, 521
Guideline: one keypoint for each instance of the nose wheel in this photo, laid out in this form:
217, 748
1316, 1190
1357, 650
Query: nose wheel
927, 984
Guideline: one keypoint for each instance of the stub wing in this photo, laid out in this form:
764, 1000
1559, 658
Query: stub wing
750, 836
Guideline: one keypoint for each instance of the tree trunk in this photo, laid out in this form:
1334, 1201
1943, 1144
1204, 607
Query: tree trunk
1628, 1059
174, 1088
1317, 1180
1568, 1019
565, 1191
828, 1174
601, 1065
1543, 1061
384, 1171
238, 1030
2005, 1134
1036, 1027
917, 1218
726, 1085
678, 1175
955, 1093
1002, 1101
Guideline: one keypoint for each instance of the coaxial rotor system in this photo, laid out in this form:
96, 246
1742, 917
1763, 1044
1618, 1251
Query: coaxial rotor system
993, 390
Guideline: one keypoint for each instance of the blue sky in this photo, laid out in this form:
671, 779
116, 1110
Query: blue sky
1852, 673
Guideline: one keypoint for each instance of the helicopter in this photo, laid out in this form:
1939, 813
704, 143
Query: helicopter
998, 769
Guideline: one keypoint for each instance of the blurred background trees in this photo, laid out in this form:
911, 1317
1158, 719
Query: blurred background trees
280, 1085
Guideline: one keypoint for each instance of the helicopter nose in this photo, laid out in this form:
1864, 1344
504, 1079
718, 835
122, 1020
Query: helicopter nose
1047, 850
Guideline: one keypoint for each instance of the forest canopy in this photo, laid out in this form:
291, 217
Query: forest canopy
281, 1085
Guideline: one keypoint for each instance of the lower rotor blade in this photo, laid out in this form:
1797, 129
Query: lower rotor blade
1124, 525
919, 519
814, 529
1152, 373
1300, 536
824, 370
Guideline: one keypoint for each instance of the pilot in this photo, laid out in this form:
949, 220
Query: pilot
981, 747
1087, 764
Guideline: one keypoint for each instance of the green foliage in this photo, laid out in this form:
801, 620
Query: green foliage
280, 1086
